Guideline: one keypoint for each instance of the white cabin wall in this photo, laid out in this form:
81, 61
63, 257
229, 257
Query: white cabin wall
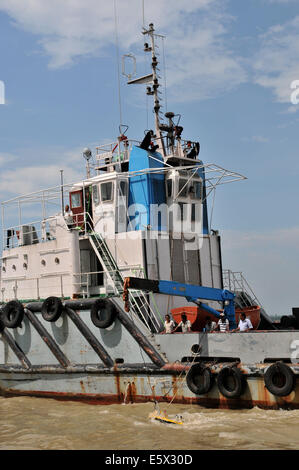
215, 243
127, 250
43, 269
205, 263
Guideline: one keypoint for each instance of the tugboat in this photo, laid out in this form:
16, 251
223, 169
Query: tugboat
85, 289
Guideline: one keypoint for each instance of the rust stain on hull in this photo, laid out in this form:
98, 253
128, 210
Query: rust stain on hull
117, 384
110, 399
219, 402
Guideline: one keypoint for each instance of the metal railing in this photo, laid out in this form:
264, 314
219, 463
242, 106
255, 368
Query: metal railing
119, 152
138, 299
114, 153
236, 282
38, 231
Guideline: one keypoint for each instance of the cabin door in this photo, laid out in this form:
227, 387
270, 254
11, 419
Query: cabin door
77, 207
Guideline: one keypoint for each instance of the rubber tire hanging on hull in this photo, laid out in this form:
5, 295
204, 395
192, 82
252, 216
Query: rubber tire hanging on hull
236, 377
271, 379
199, 379
51, 309
102, 313
12, 314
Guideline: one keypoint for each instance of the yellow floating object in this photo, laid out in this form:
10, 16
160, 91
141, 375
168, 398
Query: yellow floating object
164, 419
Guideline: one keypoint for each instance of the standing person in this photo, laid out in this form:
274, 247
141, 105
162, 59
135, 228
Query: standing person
68, 216
223, 324
168, 324
244, 323
210, 325
185, 324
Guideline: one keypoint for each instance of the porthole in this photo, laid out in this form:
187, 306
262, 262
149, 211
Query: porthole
25, 266
57, 260
3, 269
14, 267
43, 262
195, 348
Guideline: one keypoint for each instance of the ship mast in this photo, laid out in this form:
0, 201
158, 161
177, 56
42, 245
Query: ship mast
155, 83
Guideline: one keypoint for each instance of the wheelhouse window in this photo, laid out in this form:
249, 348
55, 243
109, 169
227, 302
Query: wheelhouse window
183, 188
95, 195
196, 190
169, 188
76, 200
107, 192
123, 188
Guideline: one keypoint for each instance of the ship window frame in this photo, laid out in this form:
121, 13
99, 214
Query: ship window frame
197, 194
120, 189
182, 189
169, 187
96, 194
111, 193
76, 206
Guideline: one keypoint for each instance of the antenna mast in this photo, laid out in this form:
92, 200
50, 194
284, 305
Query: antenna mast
154, 89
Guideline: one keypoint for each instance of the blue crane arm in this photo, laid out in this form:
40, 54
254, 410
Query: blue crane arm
192, 293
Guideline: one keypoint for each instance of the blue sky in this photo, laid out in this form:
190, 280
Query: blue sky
229, 69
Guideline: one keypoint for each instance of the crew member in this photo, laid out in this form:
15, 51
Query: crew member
244, 323
68, 216
223, 323
185, 324
168, 324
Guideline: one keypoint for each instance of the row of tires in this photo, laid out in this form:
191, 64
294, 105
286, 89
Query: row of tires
102, 312
279, 379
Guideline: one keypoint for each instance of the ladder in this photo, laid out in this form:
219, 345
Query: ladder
138, 299
107, 261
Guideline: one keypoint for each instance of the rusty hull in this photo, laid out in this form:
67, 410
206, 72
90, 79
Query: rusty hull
120, 385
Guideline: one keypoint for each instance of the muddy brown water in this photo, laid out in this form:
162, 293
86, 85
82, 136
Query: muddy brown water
43, 424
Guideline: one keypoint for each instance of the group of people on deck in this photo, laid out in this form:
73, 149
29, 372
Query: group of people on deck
211, 326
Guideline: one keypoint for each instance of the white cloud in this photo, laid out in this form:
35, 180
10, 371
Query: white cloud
18, 180
276, 64
198, 51
5, 158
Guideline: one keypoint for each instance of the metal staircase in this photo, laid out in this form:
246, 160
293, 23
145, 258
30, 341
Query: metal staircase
139, 301
107, 261
245, 297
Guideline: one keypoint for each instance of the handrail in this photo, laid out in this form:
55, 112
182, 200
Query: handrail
134, 295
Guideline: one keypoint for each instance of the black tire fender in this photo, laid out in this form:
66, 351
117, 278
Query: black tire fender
51, 309
231, 382
102, 313
12, 314
279, 379
199, 379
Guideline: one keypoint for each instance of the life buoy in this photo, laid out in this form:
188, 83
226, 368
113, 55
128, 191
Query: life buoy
102, 313
279, 379
12, 314
231, 382
199, 379
51, 309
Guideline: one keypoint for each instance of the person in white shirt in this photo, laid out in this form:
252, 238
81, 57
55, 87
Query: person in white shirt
68, 216
210, 325
244, 324
185, 324
168, 324
223, 323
